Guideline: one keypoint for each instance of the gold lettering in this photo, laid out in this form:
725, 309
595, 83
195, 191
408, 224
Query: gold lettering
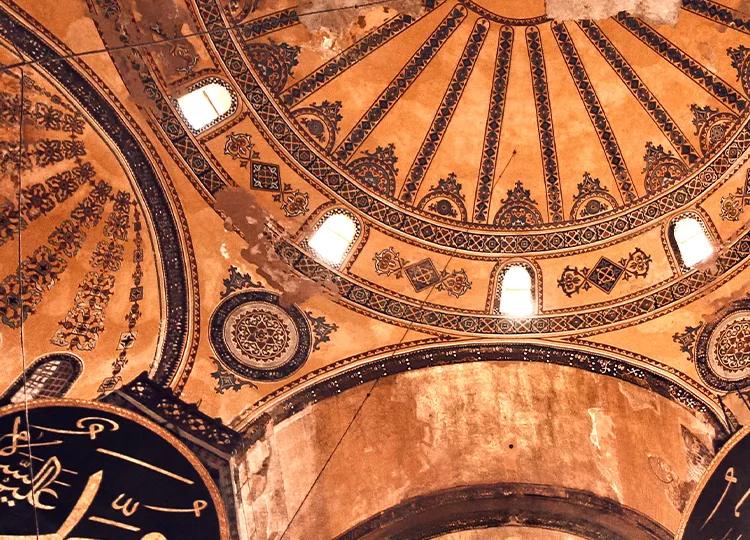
739, 503
730, 479
128, 508
198, 506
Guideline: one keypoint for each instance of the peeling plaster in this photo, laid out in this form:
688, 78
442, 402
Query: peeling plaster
334, 29
603, 439
652, 11
250, 218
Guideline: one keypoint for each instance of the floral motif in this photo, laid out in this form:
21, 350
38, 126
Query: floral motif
108, 255
17, 300
455, 284
80, 329
239, 146
605, 274
518, 210
733, 204
67, 238
662, 169
36, 201
293, 203
226, 380
388, 261
322, 329
686, 339
44, 267
733, 345
421, 274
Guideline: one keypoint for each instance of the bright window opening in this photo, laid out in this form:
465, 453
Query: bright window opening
692, 241
516, 299
205, 105
332, 241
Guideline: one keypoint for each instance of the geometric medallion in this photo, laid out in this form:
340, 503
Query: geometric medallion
257, 338
723, 349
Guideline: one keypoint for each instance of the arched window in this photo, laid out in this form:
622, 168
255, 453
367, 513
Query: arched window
516, 292
206, 105
334, 238
689, 237
50, 376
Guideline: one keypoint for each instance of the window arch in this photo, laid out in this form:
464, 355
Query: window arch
515, 293
50, 376
334, 236
690, 240
206, 103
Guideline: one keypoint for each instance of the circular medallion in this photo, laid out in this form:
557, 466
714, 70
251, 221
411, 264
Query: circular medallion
74, 469
257, 338
729, 347
723, 351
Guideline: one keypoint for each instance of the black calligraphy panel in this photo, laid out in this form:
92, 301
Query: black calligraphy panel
90, 470
721, 507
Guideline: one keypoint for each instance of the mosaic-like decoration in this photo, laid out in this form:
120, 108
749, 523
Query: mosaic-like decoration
712, 126
518, 209
256, 338
226, 380
493, 127
592, 199
408, 74
700, 74
421, 274
550, 168
733, 204
322, 329
445, 111
377, 169
596, 114
92, 481
84, 322
273, 62
662, 169
605, 274
740, 57
128, 338
266, 176
163, 213
348, 58
445, 199
321, 121
238, 281
640, 91
720, 348
19, 298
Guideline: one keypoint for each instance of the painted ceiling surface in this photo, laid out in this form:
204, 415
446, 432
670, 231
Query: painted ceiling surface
459, 135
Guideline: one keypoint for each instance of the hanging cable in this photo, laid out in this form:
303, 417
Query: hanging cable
181, 37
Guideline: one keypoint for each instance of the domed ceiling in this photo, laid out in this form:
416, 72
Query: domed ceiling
460, 136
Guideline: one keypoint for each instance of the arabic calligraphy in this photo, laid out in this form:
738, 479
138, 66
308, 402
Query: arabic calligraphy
78, 475
719, 509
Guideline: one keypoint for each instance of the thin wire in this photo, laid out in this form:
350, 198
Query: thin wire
377, 380
181, 37
19, 200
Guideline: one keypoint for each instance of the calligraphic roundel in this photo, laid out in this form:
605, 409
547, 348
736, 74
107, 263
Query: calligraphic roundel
90, 470
720, 506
